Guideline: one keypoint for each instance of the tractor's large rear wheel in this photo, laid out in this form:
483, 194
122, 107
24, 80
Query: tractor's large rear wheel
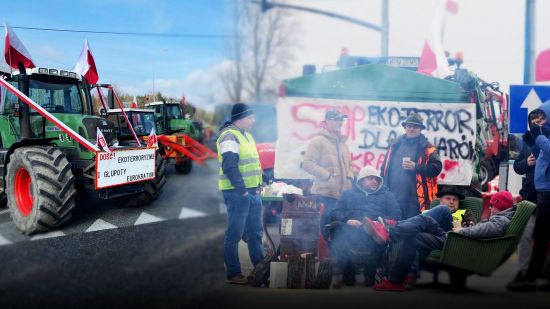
153, 188
40, 189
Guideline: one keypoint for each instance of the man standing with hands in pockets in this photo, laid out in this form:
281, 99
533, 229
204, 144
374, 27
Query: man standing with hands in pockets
328, 160
240, 179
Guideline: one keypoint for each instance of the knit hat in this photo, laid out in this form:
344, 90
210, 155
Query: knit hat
502, 200
239, 111
414, 119
368, 171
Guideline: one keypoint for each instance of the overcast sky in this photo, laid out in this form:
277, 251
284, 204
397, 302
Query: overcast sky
489, 33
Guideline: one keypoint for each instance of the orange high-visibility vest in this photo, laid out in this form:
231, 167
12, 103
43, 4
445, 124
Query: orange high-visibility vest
426, 187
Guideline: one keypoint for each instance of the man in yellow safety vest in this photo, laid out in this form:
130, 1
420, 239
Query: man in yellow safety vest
240, 177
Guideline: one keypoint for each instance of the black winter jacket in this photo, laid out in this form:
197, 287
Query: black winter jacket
527, 191
357, 204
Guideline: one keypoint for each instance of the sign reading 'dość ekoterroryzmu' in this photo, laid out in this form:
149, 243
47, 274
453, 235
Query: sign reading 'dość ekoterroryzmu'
370, 127
124, 166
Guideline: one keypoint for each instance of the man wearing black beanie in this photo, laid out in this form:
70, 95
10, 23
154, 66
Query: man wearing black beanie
240, 180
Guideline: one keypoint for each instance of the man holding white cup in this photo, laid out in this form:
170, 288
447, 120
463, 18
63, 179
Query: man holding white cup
411, 167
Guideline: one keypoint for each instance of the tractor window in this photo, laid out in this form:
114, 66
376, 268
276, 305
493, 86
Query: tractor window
56, 97
173, 112
143, 123
8, 99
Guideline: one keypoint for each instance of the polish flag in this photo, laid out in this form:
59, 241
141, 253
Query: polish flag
15, 51
134, 103
542, 66
101, 142
433, 60
451, 7
85, 65
152, 141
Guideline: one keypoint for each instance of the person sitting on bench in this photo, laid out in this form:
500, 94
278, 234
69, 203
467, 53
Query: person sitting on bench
428, 231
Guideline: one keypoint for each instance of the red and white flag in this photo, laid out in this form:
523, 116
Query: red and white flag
134, 103
433, 60
101, 142
15, 51
152, 141
85, 65
451, 6
542, 66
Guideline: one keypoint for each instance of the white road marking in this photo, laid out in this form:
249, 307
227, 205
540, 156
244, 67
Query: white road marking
100, 225
4, 241
190, 213
3, 211
147, 218
48, 235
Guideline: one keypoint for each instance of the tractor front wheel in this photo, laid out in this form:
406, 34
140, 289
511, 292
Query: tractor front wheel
39, 188
184, 167
152, 187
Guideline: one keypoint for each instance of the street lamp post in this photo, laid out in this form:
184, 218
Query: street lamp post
383, 29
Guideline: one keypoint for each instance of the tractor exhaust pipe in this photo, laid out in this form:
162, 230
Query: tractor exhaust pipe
24, 118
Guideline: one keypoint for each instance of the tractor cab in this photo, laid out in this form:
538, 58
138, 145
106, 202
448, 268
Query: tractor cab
141, 120
66, 96
170, 119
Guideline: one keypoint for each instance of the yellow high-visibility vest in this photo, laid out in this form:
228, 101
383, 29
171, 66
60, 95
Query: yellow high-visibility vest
457, 215
249, 161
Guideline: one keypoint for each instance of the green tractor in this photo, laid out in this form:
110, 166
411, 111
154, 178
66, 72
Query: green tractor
48, 156
170, 119
179, 138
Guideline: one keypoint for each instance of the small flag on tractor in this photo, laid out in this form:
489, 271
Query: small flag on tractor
152, 141
101, 142
134, 103
14, 50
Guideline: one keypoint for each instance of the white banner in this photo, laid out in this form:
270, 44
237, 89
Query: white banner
370, 126
121, 167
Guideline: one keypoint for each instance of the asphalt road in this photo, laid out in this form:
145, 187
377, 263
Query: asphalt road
184, 196
178, 263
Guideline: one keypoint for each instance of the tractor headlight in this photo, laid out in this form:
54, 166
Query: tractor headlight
43, 71
72, 74
63, 73
53, 71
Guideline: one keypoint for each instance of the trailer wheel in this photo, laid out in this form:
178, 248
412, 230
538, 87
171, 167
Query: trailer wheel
153, 188
39, 188
185, 167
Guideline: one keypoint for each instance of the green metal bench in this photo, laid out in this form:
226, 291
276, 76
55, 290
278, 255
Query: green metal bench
463, 255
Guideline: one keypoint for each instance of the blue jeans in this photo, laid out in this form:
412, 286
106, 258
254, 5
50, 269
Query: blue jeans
244, 215
421, 233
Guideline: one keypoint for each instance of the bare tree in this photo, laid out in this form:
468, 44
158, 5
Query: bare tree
262, 48
232, 76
